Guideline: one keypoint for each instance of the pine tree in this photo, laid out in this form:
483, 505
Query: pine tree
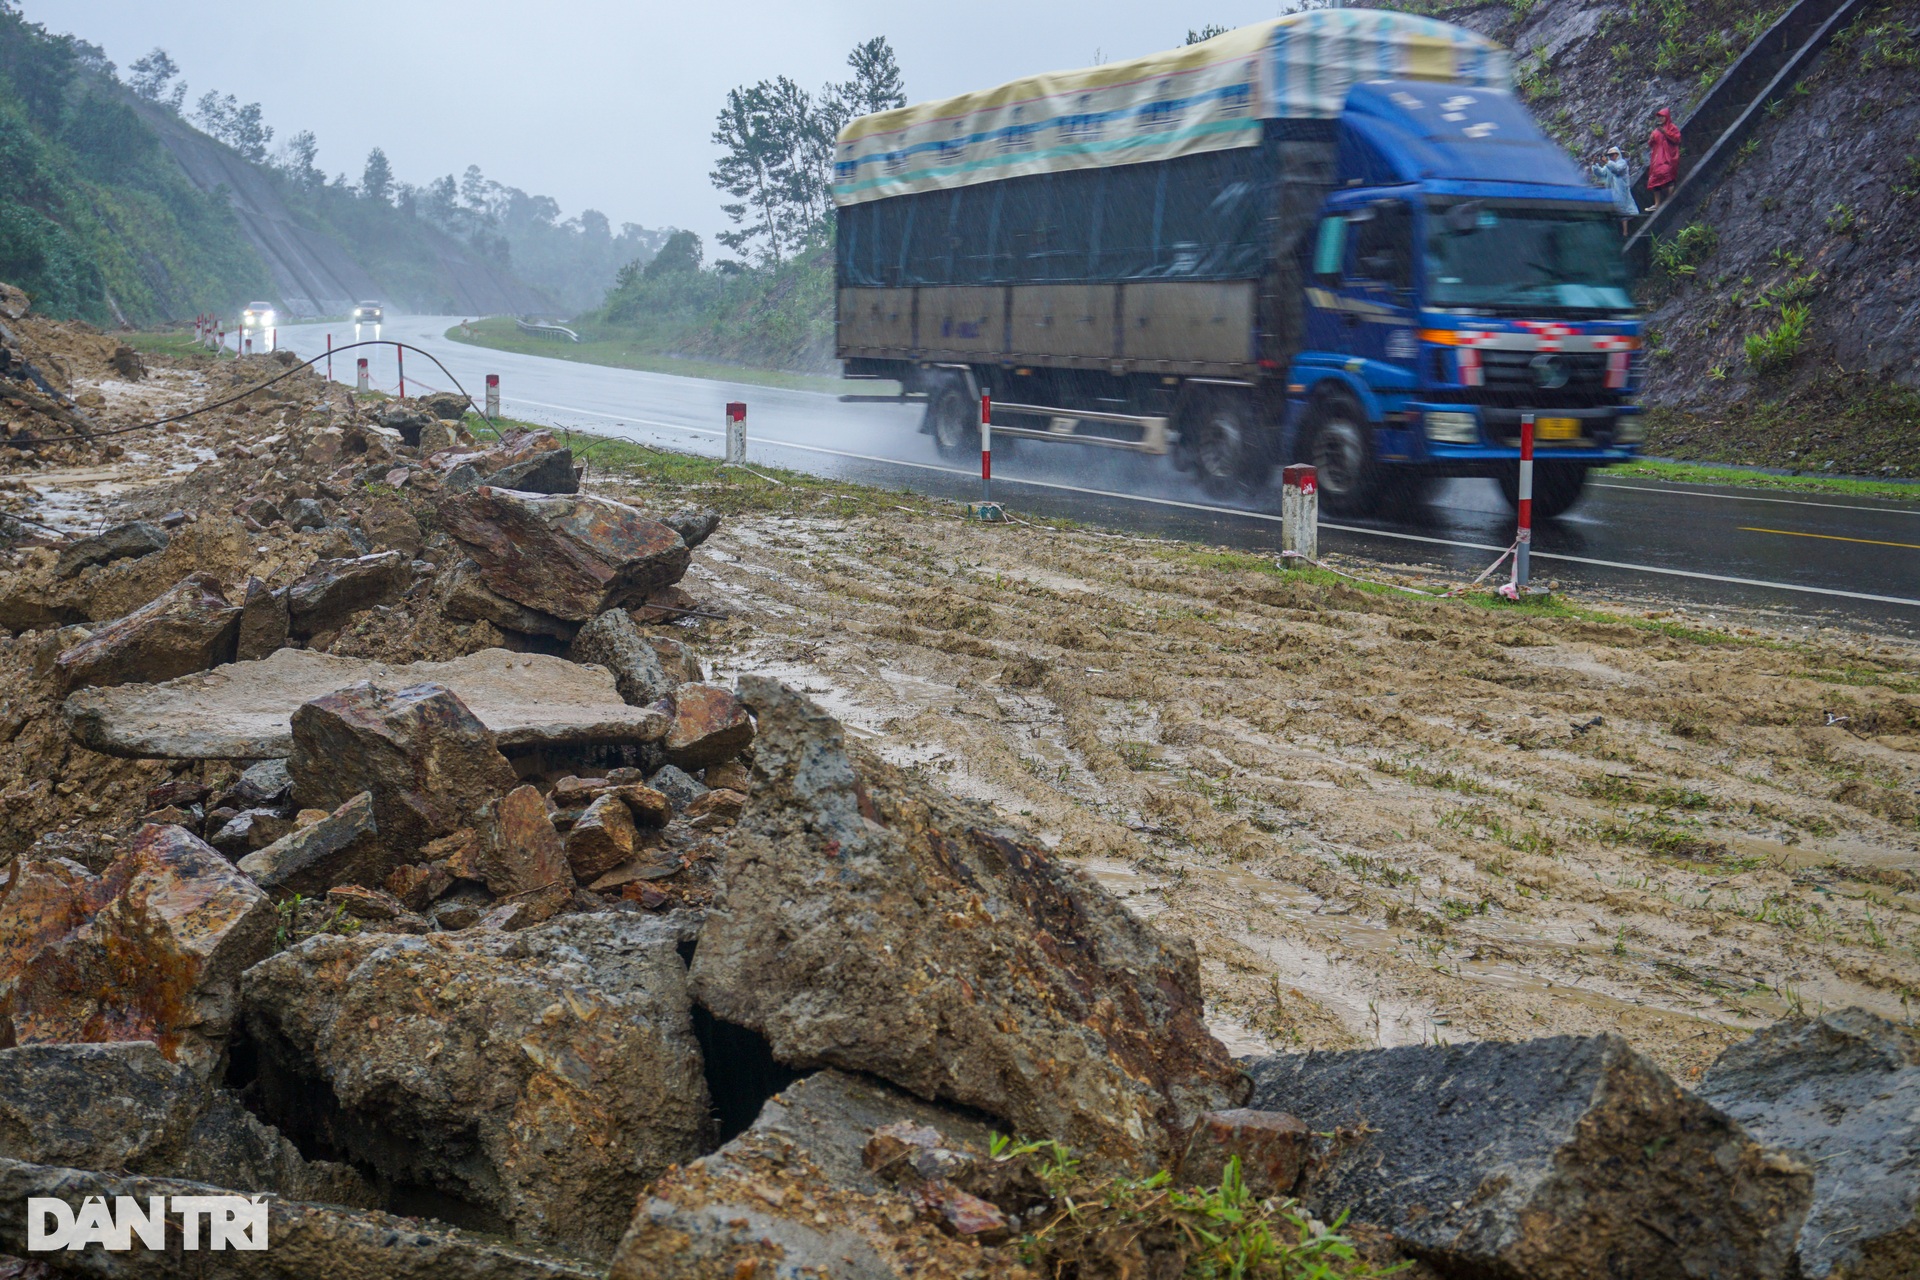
376, 181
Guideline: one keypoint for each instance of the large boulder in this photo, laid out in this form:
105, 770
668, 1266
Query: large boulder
334, 590
1843, 1091
615, 642
872, 923
244, 711
794, 1195
465, 596
1561, 1158
428, 761
539, 1079
571, 556
125, 1106
709, 725
305, 1239
189, 627
342, 848
153, 948
122, 542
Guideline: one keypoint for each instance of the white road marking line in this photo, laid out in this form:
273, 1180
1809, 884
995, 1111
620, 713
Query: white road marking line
1275, 519
1746, 497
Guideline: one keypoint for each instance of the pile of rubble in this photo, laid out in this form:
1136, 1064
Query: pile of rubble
460, 915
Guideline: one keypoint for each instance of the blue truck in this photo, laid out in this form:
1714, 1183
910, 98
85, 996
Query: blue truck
1335, 237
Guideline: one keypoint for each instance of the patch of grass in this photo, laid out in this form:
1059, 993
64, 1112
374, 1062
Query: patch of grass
1421, 776
165, 342
1751, 478
1774, 348
499, 334
1615, 789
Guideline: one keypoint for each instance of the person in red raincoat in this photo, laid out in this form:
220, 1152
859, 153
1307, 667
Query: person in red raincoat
1664, 147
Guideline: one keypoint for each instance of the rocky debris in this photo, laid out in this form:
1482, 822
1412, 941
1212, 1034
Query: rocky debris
265, 622
569, 556
717, 808
463, 594
248, 830
126, 362
1842, 1091
601, 839
551, 471
668, 604
243, 711
650, 808
188, 628
416, 885
427, 760
615, 642
334, 590
1557, 1158
448, 405
871, 923
709, 725
125, 1106
407, 423
793, 1195
265, 783
677, 785
1273, 1148
122, 542
151, 949
389, 524
375, 905
541, 1077
519, 856
303, 513
306, 1238
694, 526
14, 303
344, 847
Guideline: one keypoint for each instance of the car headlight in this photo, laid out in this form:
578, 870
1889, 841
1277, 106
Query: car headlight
1631, 429
1448, 427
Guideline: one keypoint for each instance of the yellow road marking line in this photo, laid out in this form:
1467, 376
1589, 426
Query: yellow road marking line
1831, 537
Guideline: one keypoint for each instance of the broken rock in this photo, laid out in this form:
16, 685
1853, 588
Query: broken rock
243, 711
249, 830
694, 526
601, 839
94, 1106
334, 590
342, 848
613, 641
1273, 1149
161, 939
428, 761
519, 854
677, 785
1559, 1158
122, 542
709, 725
463, 595
872, 923
188, 628
1842, 1091
540, 1077
265, 622
570, 556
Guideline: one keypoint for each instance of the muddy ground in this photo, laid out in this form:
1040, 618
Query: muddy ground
1385, 818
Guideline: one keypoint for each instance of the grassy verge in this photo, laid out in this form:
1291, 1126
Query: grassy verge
500, 335
1748, 478
165, 342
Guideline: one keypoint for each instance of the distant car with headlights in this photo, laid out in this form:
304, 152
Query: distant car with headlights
368, 313
258, 315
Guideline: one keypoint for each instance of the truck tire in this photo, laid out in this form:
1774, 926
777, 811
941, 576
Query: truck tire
1339, 444
1556, 487
953, 420
1221, 440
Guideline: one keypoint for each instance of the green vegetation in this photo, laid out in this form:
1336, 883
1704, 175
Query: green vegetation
1774, 349
1098, 1226
94, 215
1681, 253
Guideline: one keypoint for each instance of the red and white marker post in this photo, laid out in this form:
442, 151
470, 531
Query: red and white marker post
493, 395
986, 449
736, 433
400, 361
1523, 539
361, 383
329, 357
1299, 514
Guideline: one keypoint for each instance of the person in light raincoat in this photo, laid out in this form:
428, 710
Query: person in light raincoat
1612, 173
1663, 145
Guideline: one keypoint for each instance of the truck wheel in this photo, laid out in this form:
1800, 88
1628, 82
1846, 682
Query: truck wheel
1220, 436
1340, 446
1556, 487
953, 420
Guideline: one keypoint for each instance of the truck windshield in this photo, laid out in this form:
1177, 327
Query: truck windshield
1487, 255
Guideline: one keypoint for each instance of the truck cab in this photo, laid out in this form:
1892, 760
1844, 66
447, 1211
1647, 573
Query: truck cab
1461, 275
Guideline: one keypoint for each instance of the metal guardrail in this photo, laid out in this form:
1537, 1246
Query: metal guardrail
556, 332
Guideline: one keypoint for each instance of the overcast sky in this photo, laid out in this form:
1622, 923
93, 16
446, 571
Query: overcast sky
597, 103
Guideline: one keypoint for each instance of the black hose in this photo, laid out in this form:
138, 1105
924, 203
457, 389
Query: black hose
217, 404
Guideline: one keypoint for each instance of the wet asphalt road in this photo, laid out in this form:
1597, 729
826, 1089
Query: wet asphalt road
1854, 559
